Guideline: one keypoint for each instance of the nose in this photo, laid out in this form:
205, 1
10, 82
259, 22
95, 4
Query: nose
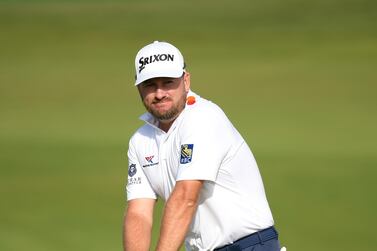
160, 93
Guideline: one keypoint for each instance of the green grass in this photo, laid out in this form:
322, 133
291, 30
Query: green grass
297, 78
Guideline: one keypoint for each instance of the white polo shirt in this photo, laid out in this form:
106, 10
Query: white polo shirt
202, 144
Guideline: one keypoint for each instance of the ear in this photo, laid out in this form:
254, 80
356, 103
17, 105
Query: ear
187, 82
139, 88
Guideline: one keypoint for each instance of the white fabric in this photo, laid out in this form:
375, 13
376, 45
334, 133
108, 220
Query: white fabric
158, 59
232, 202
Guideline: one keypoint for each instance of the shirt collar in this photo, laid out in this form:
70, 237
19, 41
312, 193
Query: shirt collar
152, 121
149, 119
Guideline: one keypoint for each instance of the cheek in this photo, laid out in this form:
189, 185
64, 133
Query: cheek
144, 92
147, 98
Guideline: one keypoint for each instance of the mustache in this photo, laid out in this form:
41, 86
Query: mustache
156, 101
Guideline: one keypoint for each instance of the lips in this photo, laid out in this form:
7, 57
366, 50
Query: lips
161, 104
164, 100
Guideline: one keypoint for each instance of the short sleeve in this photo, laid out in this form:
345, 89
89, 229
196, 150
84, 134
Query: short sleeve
138, 185
205, 137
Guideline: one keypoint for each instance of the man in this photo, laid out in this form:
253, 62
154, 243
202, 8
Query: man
189, 154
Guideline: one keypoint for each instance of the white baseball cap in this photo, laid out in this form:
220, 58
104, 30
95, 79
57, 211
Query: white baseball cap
158, 59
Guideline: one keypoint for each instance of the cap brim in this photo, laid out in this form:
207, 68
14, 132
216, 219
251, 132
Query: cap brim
159, 74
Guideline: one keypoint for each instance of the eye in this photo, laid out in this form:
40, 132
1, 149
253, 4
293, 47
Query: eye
148, 84
168, 82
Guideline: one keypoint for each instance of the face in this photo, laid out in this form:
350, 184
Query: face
165, 98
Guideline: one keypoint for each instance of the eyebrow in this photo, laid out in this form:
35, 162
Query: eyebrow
164, 80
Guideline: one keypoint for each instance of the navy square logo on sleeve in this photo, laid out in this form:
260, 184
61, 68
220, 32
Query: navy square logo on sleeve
186, 153
132, 170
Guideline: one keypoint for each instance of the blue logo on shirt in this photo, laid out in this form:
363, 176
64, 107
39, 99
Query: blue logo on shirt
132, 170
186, 153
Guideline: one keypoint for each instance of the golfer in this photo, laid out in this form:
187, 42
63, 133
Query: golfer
190, 155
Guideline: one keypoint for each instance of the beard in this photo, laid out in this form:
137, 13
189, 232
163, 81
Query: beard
170, 114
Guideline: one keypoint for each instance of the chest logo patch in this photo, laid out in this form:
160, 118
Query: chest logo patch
186, 153
132, 170
150, 161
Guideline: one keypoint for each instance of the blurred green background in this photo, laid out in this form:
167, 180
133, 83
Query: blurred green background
297, 78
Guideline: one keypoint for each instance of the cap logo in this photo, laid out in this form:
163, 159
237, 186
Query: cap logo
143, 61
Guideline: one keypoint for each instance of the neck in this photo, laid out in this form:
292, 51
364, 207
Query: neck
165, 125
